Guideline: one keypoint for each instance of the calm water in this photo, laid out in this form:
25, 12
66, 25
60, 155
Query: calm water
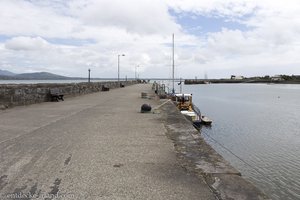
261, 125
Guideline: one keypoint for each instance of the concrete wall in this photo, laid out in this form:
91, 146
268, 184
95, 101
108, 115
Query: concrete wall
25, 94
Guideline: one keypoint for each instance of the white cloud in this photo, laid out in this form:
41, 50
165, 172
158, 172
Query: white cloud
26, 43
24, 18
135, 16
220, 8
142, 30
270, 45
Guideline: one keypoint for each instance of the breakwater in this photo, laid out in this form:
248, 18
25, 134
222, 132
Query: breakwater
24, 94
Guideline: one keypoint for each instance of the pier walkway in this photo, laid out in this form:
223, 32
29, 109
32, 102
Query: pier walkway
96, 146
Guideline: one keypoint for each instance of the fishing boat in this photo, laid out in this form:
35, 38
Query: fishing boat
190, 111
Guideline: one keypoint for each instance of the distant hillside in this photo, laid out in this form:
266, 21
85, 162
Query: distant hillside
40, 75
6, 73
6, 77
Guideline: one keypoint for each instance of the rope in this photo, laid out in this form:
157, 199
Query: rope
238, 157
161, 104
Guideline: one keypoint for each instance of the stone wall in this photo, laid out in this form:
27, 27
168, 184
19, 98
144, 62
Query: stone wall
25, 94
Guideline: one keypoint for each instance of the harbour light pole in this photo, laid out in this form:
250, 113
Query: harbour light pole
173, 67
119, 67
136, 71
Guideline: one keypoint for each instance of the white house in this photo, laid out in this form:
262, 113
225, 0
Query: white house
277, 78
233, 77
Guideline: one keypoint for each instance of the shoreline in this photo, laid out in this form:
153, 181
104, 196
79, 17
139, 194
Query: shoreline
232, 81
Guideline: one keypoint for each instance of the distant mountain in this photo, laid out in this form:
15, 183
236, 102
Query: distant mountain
6, 73
40, 76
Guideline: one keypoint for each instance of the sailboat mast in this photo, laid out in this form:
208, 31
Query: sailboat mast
173, 68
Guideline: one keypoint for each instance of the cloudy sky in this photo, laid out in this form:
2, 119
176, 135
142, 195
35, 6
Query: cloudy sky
216, 37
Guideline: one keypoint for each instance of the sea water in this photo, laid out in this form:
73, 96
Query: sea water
256, 127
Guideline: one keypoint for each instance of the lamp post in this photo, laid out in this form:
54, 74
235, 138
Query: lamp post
119, 67
89, 76
173, 67
136, 71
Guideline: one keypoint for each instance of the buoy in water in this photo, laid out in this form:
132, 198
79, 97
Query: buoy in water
145, 108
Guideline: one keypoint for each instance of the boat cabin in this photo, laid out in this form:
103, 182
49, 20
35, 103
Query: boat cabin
184, 101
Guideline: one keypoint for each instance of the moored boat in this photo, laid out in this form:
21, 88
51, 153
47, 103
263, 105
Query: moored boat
193, 117
190, 111
205, 120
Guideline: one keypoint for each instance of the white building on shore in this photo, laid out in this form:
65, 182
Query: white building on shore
234, 77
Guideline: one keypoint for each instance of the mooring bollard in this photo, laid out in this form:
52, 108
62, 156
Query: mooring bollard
145, 108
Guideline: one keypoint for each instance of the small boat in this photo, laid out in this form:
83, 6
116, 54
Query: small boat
205, 120
190, 111
193, 117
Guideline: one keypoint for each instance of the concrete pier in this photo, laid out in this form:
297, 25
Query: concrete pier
99, 146
96, 146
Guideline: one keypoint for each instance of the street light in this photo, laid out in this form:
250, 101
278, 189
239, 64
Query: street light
136, 71
119, 67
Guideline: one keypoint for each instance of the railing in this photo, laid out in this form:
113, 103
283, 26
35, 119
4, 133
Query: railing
196, 110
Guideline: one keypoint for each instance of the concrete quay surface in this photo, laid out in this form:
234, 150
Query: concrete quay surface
96, 146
